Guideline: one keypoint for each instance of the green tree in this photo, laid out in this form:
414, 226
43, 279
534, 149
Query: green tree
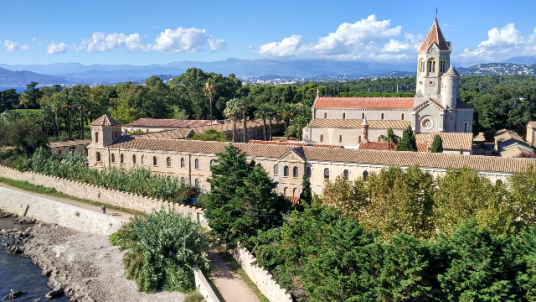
263, 113
25, 136
522, 198
242, 199
233, 111
391, 138
437, 145
526, 250
25, 101
408, 142
475, 265
210, 89
161, 249
125, 114
306, 196
210, 135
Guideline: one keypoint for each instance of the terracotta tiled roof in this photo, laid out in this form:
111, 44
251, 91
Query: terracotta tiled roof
451, 140
105, 120
229, 126
426, 160
385, 102
168, 123
69, 143
206, 147
435, 36
507, 139
295, 144
173, 134
384, 146
320, 123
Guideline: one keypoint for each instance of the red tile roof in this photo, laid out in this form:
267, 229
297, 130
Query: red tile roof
287, 143
105, 120
168, 123
435, 36
362, 102
421, 147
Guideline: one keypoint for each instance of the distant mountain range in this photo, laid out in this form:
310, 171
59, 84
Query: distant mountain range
251, 71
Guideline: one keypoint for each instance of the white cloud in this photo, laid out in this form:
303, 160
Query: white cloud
57, 48
106, 43
367, 39
502, 43
36, 38
217, 45
288, 47
186, 40
12, 46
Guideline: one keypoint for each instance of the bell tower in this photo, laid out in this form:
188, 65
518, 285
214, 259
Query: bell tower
433, 62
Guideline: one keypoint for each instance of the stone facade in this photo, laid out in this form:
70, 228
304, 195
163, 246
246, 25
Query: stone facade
436, 106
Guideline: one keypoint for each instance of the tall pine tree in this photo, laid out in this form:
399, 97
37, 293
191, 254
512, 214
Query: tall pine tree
408, 142
437, 145
242, 198
306, 196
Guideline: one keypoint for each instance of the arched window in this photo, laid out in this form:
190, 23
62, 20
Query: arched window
345, 174
286, 171
113, 158
465, 127
295, 172
182, 162
321, 138
155, 161
212, 163
142, 158
433, 66
365, 175
276, 169
294, 192
382, 116
133, 159
196, 182
359, 139
344, 115
168, 161
402, 116
340, 138
59, 152
98, 156
183, 180
325, 115
121, 158
308, 171
326, 173
196, 163
96, 137
285, 191
362, 115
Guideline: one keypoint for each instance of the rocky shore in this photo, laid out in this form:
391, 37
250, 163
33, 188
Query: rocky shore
85, 267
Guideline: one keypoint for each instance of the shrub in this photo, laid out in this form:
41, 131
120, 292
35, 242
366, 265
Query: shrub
161, 249
194, 297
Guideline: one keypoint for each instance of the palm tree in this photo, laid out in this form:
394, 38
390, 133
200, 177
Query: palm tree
390, 138
243, 100
81, 103
287, 112
25, 101
210, 89
297, 125
233, 111
263, 112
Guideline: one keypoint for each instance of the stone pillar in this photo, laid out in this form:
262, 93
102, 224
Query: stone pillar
365, 128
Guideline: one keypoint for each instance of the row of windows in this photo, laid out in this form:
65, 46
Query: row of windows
432, 66
382, 116
155, 160
346, 174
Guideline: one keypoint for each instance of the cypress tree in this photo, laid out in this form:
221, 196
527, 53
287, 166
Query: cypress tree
437, 145
306, 196
408, 142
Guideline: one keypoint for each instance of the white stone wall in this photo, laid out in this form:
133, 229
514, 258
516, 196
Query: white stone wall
261, 277
357, 114
51, 211
100, 194
203, 286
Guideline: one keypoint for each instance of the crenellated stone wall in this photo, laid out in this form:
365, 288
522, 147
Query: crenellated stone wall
260, 276
104, 195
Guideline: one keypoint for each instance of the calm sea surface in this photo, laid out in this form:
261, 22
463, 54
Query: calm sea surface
19, 273
18, 89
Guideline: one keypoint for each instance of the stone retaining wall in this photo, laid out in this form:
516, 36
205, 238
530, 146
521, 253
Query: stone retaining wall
203, 286
261, 277
104, 195
51, 211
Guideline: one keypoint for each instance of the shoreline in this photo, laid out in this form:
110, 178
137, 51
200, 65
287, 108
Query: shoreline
86, 267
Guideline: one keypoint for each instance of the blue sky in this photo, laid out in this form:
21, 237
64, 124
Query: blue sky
155, 32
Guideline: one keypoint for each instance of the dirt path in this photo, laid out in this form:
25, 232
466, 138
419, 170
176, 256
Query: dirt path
229, 284
231, 288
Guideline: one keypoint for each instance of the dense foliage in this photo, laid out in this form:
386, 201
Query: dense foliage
210, 135
242, 199
437, 145
161, 250
136, 180
408, 141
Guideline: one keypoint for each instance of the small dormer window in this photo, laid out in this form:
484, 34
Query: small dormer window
325, 115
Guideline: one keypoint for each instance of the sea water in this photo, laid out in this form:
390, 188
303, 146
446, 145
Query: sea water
19, 273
